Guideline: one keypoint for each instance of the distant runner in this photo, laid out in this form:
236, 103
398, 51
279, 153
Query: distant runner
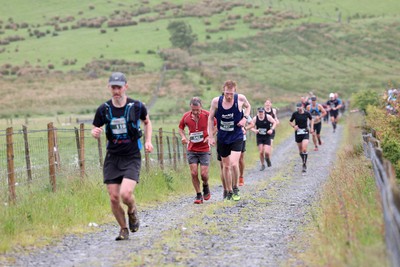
264, 127
198, 150
334, 105
299, 121
317, 112
273, 113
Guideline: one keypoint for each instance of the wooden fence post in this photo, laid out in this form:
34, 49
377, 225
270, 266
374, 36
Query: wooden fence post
169, 151
158, 149
82, 148
10, 166
100, 148
27, 154
174, 147
161, 149
52, 167
56, 152
184, 153
78, 146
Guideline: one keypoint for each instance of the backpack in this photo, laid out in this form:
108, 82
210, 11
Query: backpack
133, 125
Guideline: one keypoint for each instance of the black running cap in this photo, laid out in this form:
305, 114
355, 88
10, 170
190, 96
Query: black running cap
117, 78
299, 105
313, 98
260, 109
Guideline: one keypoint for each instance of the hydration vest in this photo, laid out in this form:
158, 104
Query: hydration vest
315, 111
125, 127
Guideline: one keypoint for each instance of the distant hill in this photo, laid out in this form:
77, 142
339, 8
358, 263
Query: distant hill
277, 49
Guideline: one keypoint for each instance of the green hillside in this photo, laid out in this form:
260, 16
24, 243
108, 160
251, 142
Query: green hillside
278, 49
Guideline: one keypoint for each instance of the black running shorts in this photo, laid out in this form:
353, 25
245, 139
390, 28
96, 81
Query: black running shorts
224, 150
118, 167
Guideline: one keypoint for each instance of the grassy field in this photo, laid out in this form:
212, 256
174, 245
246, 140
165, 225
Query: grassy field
304, 48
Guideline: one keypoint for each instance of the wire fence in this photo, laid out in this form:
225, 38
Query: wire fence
385, 179
44, 157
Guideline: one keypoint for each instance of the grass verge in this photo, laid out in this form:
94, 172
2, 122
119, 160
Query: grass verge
346, 227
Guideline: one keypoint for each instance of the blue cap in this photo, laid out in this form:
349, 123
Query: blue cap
117, 78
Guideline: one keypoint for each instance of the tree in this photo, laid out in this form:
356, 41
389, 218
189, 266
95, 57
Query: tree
181, 34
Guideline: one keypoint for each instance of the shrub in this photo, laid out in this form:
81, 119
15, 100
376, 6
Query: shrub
364, 98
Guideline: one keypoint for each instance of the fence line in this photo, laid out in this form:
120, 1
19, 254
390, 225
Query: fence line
385, 179
55, 152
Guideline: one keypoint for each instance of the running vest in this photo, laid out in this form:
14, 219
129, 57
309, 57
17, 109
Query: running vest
227, 120
127, 127
271, 113
263, 126
314, 111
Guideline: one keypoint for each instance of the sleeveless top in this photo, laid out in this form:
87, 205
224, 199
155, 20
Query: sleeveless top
314, 111
263, 126
227, 120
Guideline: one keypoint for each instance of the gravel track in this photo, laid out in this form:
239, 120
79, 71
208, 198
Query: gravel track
255, 231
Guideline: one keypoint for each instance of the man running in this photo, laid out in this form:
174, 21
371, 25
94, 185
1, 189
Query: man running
317, 112
334, 105
264, 127
228, 110
241, 159
198, 150
272, 112
300, 125
121, 116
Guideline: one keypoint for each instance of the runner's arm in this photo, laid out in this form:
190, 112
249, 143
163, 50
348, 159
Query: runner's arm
148, 131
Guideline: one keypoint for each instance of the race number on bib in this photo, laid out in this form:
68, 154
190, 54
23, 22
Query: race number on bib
196, 137
302, 131
262, 131
227, 126
118, 126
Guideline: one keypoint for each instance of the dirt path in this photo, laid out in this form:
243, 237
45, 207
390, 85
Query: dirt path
255, 231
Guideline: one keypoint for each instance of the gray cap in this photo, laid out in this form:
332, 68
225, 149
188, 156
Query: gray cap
117, 78
299, 105
261, 109
313, 98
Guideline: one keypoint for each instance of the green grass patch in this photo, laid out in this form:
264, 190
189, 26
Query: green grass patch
347, 222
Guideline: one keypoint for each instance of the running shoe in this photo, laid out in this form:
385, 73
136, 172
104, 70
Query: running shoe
198, 199
228, 197
225, 194
262, 167
235, 195
206, 192
241, 181
316, 148
134, 223
304, 168
123, 235
268, 162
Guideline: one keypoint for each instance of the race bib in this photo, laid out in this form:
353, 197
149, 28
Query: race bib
332, 106
196, 137
302, 131
262, 131
118, 126
227, 126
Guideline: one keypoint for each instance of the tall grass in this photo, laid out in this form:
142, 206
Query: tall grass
347, 223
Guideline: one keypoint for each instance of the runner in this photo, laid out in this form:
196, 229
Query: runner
333, 107
241, 159
300, 118
198, 150
272, 112
121, 116
264, 127
317, 112
227, 109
